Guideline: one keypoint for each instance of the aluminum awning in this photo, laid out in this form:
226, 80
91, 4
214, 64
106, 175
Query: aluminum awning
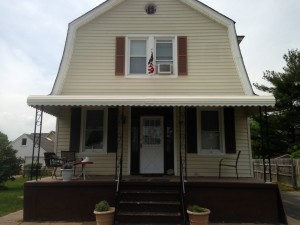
53, 103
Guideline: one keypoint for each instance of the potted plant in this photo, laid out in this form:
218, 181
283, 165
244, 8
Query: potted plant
67, 171
198, 215
104, 213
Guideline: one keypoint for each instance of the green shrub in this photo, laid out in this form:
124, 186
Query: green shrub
196, 208
10, 165
102, 206
296, 154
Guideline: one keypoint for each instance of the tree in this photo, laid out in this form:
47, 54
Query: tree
285, 116
10, 165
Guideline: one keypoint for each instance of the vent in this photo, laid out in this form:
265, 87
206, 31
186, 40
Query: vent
164, 69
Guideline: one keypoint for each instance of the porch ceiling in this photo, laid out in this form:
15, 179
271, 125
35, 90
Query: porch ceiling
52, 103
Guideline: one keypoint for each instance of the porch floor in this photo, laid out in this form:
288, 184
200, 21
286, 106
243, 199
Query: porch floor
149, 178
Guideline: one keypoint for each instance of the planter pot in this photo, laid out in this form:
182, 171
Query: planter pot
67, 174
198, 218
106, 217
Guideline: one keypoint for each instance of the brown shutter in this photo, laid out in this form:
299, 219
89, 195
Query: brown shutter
182, 55
75, 127
112, 131
120, 56
229, 122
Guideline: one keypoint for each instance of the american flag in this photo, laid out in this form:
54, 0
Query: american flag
150, 65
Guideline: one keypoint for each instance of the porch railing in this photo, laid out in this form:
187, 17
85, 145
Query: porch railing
118, 180
182, 191
119, 172
182, 188
182, 174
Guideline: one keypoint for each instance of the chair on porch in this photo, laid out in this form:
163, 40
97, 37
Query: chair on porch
69, 156
52, 162
230, 162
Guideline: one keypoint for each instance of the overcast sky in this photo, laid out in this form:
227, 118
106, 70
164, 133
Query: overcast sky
33, 32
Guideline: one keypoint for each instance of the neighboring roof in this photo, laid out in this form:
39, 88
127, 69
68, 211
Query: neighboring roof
52, 103
109, 4
46, 143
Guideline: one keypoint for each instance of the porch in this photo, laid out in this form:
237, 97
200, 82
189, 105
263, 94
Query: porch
230, 200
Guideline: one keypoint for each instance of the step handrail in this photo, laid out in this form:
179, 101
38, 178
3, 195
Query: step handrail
118, 180
119, 170
182, 190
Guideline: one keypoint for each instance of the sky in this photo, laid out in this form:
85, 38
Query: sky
33, 33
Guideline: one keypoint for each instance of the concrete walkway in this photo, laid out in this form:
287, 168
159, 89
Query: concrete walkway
291, 204
16, 218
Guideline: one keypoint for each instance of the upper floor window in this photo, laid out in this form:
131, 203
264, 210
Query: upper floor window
151, 56
164, 52
158, 56
138, 56
24, 141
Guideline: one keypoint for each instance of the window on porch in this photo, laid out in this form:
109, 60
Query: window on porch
95, 130
210, 130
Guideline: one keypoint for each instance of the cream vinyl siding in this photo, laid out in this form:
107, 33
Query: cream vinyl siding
208, 165
104, 164
211, 68
63, 130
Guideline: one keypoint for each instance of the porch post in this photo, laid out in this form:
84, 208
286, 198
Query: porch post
185, 145
265, 142
268, 144
122, 143
179, 129
119, 161
183, 161
37, 140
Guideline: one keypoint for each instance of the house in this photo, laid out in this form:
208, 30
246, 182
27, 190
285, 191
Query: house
153, 88
105, 85
24, 145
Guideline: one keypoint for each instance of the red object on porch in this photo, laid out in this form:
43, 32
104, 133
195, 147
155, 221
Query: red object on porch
83, 167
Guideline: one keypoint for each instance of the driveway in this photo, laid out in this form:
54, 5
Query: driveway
291, 204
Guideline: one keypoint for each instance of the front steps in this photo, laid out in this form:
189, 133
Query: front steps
149, 203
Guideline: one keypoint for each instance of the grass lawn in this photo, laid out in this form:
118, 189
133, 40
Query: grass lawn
11, 196
284, 187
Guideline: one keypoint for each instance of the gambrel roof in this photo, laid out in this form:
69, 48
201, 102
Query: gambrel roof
109, 4
56, 99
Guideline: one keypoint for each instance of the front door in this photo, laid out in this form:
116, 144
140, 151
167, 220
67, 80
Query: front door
151, 145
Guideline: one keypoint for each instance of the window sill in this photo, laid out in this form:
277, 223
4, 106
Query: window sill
156, 76
90, 153
211, 153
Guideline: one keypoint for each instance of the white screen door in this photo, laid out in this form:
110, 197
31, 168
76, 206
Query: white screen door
151, 145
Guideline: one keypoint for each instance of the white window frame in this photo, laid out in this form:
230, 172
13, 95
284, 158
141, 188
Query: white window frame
87, 152
220, 151
150, 45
